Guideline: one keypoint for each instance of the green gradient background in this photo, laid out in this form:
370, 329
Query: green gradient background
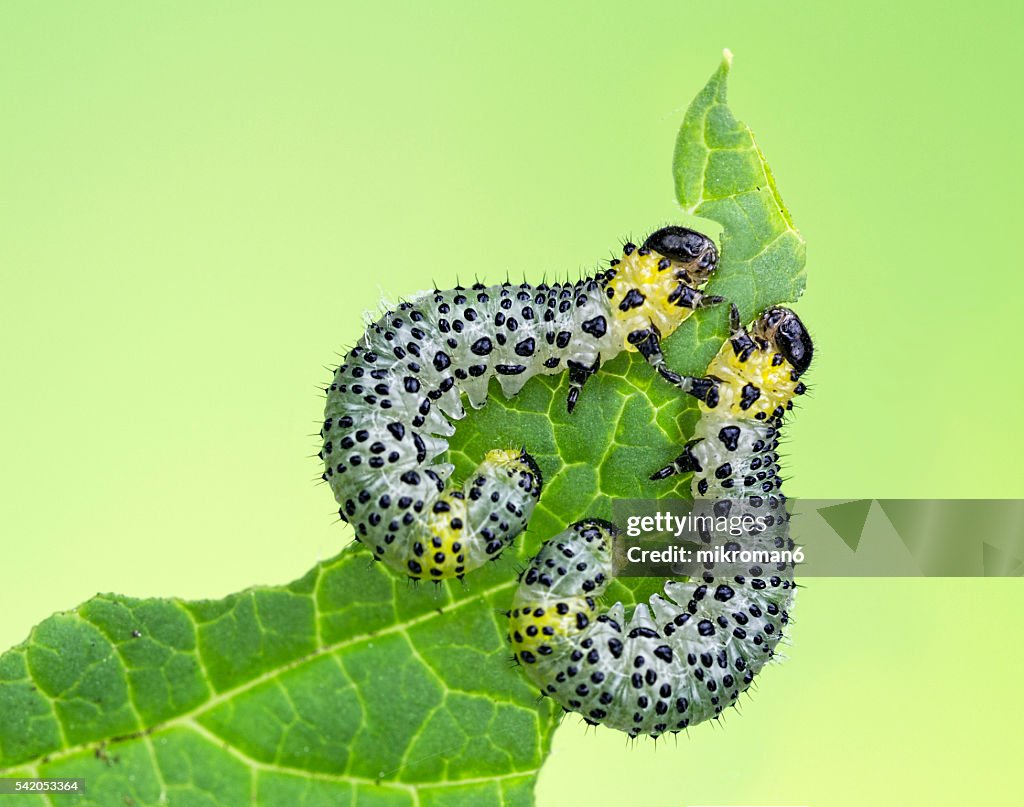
198, 200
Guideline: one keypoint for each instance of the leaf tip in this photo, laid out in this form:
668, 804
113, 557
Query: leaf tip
726, 58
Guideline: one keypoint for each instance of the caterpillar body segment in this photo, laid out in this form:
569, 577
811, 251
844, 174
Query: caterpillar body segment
399, 391
685, 656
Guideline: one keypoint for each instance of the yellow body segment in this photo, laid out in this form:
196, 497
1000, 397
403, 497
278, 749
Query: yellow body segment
447, 522
646, 288
759, 386
446, 530
532, 627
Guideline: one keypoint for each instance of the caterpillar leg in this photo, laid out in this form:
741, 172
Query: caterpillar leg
648, 340
578, 375
703, 388
686, 296
648, 344
685, 463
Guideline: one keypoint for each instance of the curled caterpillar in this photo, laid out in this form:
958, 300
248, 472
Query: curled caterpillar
692, 652
392, 401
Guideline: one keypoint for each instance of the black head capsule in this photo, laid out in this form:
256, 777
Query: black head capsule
784, 328
686, 247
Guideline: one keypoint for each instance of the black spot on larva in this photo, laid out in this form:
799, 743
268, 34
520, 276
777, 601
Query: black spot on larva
724, 593
749, 395
596, 327
729, 435
442, 361
639, 335
482, 346
563, 339
421, 448
526, 347
634, 299
510, 369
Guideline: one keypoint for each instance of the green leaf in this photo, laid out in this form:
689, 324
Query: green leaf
350, 684
345, 684
721, 175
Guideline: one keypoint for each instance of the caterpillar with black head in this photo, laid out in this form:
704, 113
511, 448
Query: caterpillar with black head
392, 401
692, 652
